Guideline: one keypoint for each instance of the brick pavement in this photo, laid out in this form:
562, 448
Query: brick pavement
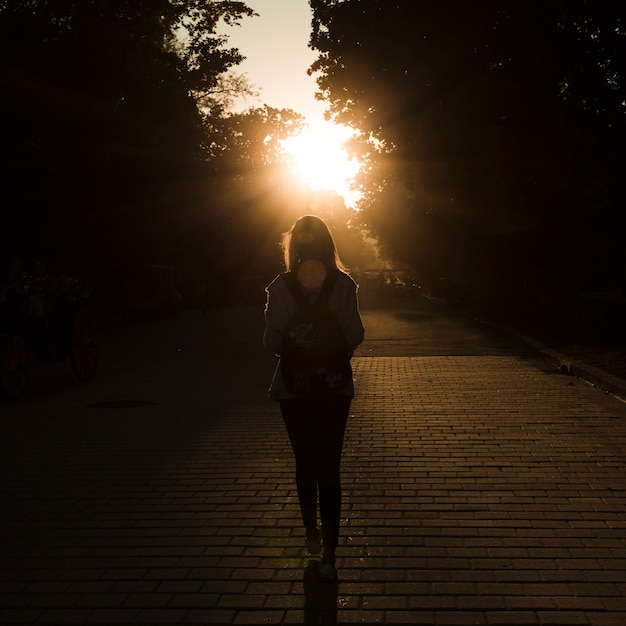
480, 488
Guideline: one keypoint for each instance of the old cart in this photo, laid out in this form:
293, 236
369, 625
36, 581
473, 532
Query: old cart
71, 331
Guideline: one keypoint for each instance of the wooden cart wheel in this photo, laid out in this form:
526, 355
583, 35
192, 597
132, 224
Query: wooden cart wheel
13, 365
85, 345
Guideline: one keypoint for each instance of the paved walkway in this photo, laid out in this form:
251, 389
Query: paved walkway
481, 487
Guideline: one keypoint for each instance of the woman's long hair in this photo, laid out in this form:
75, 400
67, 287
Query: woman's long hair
310, 238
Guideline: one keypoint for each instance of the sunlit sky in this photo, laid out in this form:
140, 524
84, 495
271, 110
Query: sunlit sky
275, 44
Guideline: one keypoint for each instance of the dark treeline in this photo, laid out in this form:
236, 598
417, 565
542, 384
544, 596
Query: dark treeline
99, 125
493, 133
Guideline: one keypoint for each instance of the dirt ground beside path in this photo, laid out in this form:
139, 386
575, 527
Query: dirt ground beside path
586, 346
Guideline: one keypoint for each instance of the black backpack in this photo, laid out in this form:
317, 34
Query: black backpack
314, 359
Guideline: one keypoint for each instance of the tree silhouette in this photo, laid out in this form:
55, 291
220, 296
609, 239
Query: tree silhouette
102, 133
490, 129
249, 192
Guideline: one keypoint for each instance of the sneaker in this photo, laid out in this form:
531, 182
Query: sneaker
313, 541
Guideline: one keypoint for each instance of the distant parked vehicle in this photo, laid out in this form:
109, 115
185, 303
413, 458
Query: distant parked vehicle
390, 282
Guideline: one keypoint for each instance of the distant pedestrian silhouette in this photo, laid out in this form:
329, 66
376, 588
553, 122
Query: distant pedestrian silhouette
315, 420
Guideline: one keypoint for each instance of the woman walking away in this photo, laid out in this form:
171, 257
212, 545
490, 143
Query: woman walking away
312, 322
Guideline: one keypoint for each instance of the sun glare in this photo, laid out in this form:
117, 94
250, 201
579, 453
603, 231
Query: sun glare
320, 161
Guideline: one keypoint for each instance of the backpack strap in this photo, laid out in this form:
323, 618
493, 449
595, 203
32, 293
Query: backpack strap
292, 283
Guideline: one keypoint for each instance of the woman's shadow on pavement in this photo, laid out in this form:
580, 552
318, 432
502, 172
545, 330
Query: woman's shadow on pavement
320, 599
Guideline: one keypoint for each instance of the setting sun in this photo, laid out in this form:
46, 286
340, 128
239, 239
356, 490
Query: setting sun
320, 161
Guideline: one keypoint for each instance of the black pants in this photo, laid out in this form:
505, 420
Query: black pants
316, 428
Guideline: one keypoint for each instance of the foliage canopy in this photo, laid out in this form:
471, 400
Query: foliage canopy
99, 112
492, 130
